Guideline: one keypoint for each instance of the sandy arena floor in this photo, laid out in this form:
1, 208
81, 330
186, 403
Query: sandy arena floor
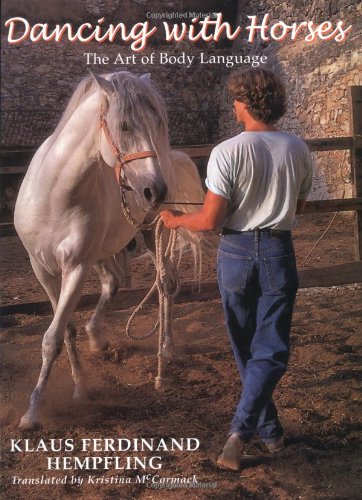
319, 398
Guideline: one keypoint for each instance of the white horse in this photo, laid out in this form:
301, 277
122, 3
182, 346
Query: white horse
68, 212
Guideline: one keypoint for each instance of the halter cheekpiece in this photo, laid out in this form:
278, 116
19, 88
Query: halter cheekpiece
122, 158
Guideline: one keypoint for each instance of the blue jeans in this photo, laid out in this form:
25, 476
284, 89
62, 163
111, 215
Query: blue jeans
258, 283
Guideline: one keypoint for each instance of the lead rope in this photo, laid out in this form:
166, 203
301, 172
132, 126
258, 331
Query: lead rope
127, 210
166, 281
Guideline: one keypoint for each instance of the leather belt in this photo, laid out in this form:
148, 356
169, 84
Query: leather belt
273, 232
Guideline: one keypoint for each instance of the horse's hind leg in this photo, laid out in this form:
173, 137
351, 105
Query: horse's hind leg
70, 341
112, 274
70, 293
168, 343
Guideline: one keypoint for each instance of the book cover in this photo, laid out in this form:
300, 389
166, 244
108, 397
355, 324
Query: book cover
125, 439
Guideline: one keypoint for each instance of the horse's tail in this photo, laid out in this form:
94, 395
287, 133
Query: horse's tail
196, 244
189, 197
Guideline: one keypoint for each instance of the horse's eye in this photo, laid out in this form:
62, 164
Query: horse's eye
125, 128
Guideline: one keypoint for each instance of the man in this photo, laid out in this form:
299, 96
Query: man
256, 182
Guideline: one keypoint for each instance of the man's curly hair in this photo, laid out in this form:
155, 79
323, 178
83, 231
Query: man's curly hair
262, 92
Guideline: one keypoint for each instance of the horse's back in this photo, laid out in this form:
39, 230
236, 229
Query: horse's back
189, 184
28, 190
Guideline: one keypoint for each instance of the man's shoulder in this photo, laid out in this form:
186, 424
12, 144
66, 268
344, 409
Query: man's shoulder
228, 145
246, 140
289, 136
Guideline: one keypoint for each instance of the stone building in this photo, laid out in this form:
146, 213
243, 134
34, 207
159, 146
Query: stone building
38, 79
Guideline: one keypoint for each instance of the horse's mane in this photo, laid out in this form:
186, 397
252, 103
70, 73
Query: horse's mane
85, 88
139, 108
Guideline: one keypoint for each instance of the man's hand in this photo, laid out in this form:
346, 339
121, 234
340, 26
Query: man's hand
207, 219
171, 218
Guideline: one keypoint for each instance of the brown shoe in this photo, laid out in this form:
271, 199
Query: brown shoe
232, 452
275, 446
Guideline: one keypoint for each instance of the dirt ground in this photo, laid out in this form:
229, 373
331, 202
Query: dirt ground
319, 397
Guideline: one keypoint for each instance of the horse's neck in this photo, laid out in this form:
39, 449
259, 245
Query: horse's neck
77, 144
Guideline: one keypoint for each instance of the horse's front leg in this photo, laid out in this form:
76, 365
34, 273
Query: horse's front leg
113, 273
52, 286
71, 290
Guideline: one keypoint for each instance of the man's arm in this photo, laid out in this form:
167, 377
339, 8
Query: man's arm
306, 184
208, 218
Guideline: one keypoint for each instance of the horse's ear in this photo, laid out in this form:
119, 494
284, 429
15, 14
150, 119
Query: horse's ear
146, 76
104, 84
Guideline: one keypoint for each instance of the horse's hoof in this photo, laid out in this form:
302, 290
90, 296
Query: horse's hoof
163, 384
98, 346
80, 394
97, 341
27, 424
168, 352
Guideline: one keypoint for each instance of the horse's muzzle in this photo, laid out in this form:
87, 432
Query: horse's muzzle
155, 195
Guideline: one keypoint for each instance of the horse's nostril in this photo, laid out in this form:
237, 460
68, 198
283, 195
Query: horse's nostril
155, 195
163, 193
148, 194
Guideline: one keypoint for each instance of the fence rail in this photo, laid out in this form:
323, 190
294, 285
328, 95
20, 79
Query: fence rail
15, 163
341, 274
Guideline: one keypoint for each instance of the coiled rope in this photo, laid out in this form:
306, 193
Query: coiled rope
166, 281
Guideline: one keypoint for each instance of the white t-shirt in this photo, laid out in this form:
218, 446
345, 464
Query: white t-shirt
263, 174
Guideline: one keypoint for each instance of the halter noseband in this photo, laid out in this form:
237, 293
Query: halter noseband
122, 158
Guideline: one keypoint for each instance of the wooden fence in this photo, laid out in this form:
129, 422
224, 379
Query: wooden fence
328, 276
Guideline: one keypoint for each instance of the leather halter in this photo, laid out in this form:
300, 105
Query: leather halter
122, 158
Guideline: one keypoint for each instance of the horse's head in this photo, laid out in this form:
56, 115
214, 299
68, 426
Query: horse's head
137, 121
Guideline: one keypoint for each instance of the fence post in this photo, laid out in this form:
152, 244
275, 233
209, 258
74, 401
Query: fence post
355, 106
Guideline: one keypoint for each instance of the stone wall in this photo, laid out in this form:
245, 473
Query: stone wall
125, 10
38, 79
35, 98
